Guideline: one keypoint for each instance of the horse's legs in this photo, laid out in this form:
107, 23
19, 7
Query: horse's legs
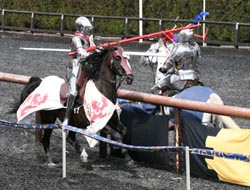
118, 132
116, 124
114, 135
46, 145
103, 145
79, 121
71, 139
47, 117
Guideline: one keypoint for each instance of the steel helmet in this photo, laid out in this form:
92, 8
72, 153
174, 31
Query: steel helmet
185, 35
83, 25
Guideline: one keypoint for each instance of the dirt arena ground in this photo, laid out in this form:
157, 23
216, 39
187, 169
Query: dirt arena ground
22, 166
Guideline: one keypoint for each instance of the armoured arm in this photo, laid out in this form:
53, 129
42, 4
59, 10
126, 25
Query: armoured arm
78, 46
184, 57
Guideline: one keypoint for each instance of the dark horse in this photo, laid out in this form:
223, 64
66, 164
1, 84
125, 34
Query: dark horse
102, 67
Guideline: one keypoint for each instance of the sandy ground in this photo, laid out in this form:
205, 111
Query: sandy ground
22, 161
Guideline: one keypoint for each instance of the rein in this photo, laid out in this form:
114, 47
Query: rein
114, 81
114, 64
108, 80
118, 70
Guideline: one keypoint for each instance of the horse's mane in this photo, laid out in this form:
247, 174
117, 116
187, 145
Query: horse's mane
95, 60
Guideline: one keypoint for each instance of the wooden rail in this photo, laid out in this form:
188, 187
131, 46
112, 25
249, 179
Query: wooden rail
13, 78
233, 111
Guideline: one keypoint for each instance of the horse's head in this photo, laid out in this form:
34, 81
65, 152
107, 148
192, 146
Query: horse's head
120, 65
112, 59
148, 59
157, 56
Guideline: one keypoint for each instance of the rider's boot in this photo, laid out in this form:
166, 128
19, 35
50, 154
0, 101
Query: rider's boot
71, 99
156, 90
69, 109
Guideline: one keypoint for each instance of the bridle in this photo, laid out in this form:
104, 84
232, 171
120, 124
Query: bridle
116, 67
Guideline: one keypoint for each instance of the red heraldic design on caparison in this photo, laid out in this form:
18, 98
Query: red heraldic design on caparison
33, 102
98, 109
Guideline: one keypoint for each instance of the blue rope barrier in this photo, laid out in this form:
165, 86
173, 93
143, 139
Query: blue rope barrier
197, 151
30, 126
220, 154
115, 143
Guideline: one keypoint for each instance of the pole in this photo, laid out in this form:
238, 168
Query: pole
45, 49
177, 139
107, 44
64, 131
19, 79
146, 36
123, 41
204, 44
185, 104
187, 161
125, 52
140, 22
234, 111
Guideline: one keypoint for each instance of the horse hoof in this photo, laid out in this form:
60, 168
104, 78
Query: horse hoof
84, 159
130, 162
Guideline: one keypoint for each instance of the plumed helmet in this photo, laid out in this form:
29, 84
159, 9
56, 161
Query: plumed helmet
83, 25
185, 35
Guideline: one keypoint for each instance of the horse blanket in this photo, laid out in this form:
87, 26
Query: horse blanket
228, 141
195, 93
145, 129
46, 96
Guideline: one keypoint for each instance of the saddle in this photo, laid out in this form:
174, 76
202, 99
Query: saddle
189, 83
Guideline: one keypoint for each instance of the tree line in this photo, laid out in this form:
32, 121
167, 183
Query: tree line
219, 10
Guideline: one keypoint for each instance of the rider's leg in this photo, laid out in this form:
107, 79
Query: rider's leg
73, 90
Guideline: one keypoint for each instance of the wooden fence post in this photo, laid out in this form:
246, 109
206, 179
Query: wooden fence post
177, 140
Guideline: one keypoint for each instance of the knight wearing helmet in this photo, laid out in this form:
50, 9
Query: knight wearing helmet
180, 69
78, 43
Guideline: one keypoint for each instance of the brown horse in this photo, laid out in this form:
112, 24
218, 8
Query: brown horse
104, 68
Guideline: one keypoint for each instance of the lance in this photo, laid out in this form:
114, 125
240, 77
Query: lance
104, 45
108, 44
125, 52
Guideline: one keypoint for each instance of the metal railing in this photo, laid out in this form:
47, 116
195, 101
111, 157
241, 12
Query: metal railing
59, 27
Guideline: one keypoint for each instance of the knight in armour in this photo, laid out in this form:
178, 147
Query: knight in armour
81, 40
180, 69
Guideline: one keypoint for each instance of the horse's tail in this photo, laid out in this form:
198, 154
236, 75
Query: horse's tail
33, 83
225, 120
